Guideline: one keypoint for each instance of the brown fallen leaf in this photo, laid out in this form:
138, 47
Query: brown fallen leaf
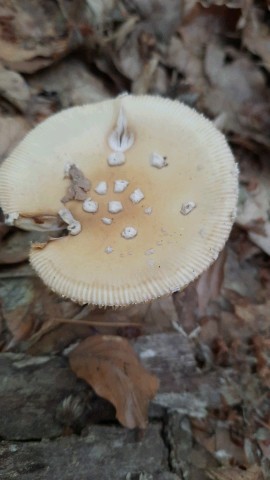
109, 364
14, 88
238, 90
35, 37
235, 473
255, 315
256, 35
261, 348
210, 282
253, 211
56, 333
143, 83
163, 17
71, 82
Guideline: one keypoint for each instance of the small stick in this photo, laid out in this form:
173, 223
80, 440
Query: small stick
97, 323
56, 320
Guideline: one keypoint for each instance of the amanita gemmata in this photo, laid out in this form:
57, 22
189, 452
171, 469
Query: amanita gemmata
143, 190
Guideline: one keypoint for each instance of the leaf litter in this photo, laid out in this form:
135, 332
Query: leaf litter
111, 367
214, 56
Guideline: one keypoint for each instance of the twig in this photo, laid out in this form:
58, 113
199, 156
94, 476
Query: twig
97, 323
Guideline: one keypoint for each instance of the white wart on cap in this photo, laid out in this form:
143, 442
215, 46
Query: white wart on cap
183, 215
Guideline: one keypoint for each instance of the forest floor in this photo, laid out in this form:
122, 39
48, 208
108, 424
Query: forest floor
209, 345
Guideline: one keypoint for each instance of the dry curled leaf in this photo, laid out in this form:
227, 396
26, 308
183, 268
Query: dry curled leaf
72, 83
254, 314
111, 367
164, 17
33, 35
235, 473
14, 88
209, 284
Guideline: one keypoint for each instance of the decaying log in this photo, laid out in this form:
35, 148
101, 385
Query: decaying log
107, 453
41, 398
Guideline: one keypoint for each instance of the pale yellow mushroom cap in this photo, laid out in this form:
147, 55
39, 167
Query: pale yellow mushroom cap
181, 214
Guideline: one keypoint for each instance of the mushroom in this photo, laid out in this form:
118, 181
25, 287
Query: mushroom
180, 215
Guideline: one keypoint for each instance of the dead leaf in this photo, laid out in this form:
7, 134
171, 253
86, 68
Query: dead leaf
53, 337
237, 88
34, 37
229, 3
111, 367
241, 278
128, 59
255, 314
143, 83
256, 35
235, 473
12, 130
154, 317
71, 82
181, 57
220, 443
17, 296
226, 82
15, 247
101, 11
254, 203
14, 88
163, 17
210, 282
186, 303
192, 302
261, 347
200, 29
262, 240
